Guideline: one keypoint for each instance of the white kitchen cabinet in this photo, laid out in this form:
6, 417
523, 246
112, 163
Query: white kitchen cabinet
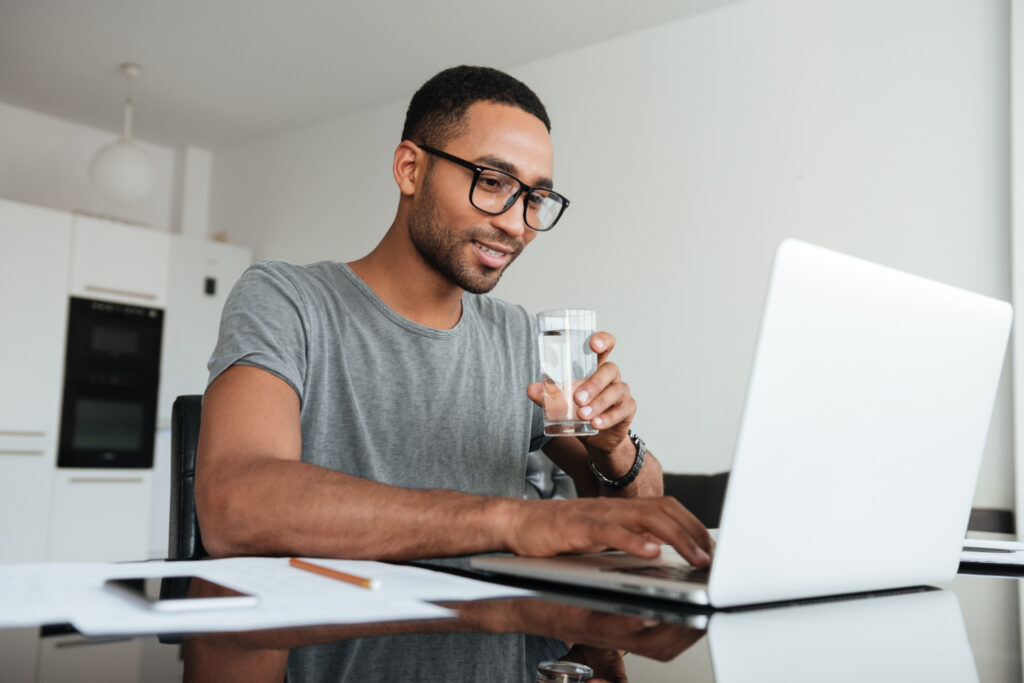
19, 649
122, 263
100, 515
200, 275
35, 247
70, 657
45, 257
26, 474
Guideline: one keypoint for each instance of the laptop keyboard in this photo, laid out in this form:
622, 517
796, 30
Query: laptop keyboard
664, 571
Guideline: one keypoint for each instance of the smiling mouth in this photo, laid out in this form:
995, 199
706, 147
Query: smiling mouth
488, 250
492, 257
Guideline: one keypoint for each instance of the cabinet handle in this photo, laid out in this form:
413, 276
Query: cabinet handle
16, 432
79, 642
11, 451
106, 480
120, 292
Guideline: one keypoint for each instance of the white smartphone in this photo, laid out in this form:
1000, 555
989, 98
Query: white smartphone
180, 593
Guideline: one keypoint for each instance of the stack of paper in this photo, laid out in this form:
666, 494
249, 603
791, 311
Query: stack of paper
35, 594
985, 551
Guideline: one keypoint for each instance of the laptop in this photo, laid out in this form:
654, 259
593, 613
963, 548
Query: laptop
859, 448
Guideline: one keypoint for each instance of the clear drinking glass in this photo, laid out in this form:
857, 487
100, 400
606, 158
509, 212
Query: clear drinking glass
566, 360
563, 672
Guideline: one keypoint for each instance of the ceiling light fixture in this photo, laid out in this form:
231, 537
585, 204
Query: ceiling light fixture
121, 170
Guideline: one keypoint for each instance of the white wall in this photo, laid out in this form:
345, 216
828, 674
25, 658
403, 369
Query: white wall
689, 151
44, 160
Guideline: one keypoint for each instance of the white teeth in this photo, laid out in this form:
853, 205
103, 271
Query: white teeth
488, 250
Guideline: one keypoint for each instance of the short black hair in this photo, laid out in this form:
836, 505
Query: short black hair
437, 111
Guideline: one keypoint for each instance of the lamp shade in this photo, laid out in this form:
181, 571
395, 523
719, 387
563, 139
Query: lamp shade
121, 171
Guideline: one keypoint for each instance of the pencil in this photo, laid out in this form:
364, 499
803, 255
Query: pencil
370, 584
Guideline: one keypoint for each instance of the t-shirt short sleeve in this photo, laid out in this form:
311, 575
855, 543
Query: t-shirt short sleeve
263, 326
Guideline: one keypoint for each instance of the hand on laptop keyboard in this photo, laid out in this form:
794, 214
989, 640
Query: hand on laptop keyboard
636, 525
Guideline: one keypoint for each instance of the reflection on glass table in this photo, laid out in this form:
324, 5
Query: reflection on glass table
914, 636
490, 640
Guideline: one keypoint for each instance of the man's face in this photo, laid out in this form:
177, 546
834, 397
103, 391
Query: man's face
468, 246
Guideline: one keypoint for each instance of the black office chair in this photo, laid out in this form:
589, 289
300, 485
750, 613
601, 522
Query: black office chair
185, 542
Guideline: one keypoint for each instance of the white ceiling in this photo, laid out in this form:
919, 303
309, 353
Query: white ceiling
221, 72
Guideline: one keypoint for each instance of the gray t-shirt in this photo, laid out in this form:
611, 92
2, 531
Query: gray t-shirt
385, 398
390, 400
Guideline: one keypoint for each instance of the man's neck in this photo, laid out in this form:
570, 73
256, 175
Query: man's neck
411, 287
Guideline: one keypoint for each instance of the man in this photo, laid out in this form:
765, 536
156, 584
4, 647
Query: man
377, 409
381, 409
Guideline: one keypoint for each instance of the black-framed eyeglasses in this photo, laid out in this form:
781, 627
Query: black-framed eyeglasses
494, 192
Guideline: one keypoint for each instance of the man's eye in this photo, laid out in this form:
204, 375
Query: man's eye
536, 200
490, 183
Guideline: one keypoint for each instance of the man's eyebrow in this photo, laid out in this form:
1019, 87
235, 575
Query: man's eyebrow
502, 165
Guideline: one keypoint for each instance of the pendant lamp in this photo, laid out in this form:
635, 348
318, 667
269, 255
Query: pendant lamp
121, 170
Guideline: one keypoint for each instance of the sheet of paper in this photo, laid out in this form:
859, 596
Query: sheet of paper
990, 551
36, 594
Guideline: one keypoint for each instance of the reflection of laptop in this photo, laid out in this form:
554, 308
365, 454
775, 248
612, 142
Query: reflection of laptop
865, 420
898, 638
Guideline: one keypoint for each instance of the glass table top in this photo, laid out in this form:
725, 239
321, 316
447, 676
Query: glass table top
968, 630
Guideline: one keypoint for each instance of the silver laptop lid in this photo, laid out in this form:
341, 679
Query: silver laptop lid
862, 434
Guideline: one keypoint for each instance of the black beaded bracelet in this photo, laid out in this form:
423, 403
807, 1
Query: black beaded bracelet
638, 462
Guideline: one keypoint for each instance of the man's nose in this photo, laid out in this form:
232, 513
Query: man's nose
511, 221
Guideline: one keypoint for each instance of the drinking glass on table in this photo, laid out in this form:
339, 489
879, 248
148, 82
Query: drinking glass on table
563, 672
566, 361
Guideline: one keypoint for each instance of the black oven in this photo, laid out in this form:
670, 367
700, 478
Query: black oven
111, 376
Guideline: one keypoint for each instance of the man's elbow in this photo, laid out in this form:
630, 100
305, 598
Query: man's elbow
223, 520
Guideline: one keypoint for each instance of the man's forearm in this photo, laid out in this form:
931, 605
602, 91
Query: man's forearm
649, 482
571, 456
278, 507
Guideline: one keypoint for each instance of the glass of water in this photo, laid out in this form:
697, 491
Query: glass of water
566, 360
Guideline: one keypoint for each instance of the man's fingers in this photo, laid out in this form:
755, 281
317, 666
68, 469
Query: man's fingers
686, 519
652, 538
535, 392
680, 538
666, 519
622, 538
602, 343
602, 418
632, 535
606, 374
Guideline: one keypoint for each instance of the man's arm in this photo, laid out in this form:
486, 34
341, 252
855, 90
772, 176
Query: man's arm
255, 496
571, 456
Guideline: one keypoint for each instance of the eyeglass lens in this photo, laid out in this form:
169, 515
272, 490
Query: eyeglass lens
494, 192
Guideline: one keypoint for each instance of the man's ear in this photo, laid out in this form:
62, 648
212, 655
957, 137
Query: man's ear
409, 166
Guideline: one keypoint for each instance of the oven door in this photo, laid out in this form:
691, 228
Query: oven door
113, 344
107, 427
